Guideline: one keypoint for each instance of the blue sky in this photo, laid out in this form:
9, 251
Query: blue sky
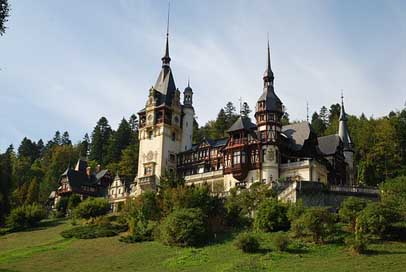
64, 64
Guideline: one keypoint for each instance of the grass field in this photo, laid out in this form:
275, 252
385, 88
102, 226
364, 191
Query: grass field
45, 250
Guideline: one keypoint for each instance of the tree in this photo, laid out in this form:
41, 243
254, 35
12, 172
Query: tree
65, 139
28, 149
271, 216
100, 139
32, 192
5, 182
350, 208
245, 110
221, 123
318, 222
285, 119
84, 146
393, 195
92, 207
184, 227
317, 124
4, 13
230, 114
133, 121
119, 141
128, 165
57, 138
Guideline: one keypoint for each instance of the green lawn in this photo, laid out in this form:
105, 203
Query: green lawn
45, 250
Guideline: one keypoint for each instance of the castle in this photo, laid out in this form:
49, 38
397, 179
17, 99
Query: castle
264, 151
290, 158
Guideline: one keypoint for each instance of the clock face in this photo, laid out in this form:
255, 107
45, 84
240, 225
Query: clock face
150, 117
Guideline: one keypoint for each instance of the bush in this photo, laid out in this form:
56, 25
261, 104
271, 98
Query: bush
26, 216
61, 207
184, 227
356, 245
318, 222
280, 241
247, 242
393, 194
375, 219
74, 201
295, 210
350, 208
93, 231
92, 207
140, 230
271, 216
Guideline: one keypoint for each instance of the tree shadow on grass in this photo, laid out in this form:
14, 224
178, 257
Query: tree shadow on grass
373, 252
7, 270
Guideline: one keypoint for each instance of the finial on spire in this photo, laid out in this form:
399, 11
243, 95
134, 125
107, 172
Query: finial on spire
307, 111
268, 75
342, 97
188, 82
166, 59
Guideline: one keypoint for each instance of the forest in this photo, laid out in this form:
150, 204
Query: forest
31, 171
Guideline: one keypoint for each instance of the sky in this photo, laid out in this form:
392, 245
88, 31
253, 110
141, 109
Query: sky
65, 64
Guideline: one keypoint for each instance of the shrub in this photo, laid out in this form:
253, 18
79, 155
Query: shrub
356, 246
247, 242
26, 216
93, 231
319, 223
297, 227
295, 210
184, 227
393, 194
374, 219
140, 229
74, 201
280, 241
61, 207
271, 216
350, 209
92, 207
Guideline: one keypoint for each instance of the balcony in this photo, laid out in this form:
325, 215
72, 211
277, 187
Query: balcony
147, 181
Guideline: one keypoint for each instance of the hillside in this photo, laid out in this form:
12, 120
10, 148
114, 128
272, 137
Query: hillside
45, 250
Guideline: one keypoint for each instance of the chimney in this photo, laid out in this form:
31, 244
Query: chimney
88, 171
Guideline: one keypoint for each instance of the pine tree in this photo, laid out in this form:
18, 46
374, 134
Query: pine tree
28, 149
119, 141
245, 110
317, 124
100, 139
83, 146
128, 165
230, 114
221, 124
57, 138
65, 139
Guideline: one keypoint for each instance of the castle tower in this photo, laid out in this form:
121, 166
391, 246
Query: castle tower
187, 118
268, 116
160, 132
344, 135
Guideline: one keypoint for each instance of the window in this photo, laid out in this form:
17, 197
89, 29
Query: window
242, 156
236, 157
150, 134
173, 136
148, 171
172, 157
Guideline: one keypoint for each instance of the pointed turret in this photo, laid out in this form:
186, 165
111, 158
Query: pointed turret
188, 95
165, 84
343, 128
269, 101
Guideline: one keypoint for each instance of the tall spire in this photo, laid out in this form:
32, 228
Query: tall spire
166, 59
268, 75
343, 131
